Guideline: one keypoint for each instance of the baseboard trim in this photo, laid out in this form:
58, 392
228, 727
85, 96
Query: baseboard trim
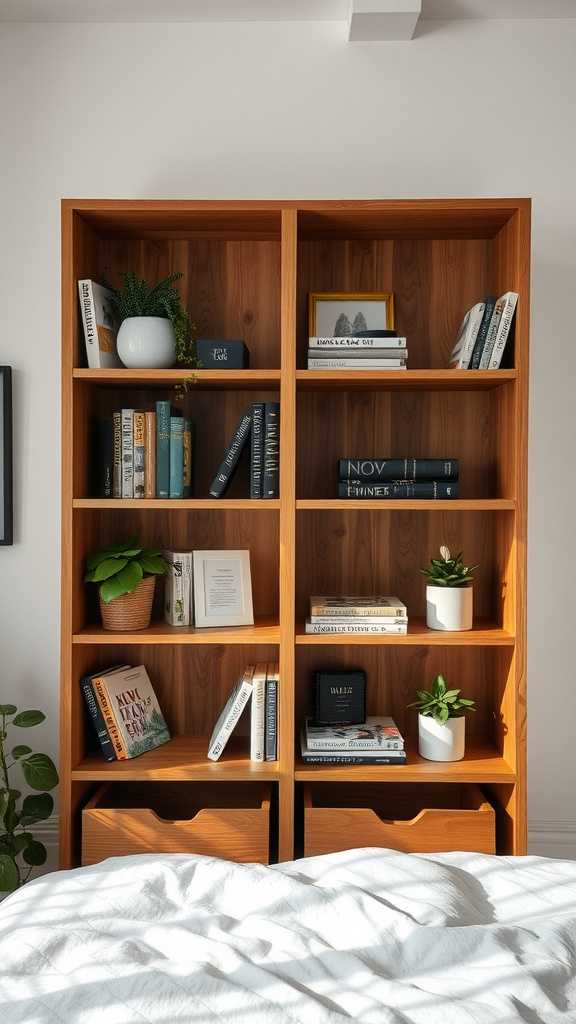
553, 837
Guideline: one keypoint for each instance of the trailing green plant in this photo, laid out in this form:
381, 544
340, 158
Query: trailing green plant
447, 571
441, 703
138, 298
20, 852
120, 568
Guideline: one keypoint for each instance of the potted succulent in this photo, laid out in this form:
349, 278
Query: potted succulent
155, 329
126, 574
449, 596
441, 722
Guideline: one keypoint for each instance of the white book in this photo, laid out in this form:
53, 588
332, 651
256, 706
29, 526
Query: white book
373, 620
117, 455
257, 711
358, 354
178, 588
230, 714
351, 342
464, 347
510, 299
127, 453
356, 364
491, 334
100, 326
351, 627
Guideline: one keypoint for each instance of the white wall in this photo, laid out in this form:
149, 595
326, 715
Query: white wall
283, 110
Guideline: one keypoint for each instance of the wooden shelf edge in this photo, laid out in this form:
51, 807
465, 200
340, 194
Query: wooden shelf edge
263, 632
182, 759
403, 504
481, 765
187, 504
482, 635
207, 378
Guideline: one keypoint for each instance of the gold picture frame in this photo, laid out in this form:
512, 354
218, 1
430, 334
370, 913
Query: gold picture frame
332, 298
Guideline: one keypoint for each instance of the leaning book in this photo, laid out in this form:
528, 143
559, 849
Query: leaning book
130, 711
230, 714
100, 325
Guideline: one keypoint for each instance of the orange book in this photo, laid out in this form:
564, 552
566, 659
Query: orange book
150, 456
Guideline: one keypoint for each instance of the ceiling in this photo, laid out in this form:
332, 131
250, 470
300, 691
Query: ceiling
269, 10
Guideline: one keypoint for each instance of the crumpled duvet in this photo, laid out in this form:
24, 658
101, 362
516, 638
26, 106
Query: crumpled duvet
366, 935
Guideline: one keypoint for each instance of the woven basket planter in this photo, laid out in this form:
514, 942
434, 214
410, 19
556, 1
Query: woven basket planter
131, 611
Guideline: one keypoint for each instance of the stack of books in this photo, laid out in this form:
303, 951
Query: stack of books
357, 615
484, 333
259, 424
397, 478
143, 454
124, 711
379, 350
258, 684
375, 741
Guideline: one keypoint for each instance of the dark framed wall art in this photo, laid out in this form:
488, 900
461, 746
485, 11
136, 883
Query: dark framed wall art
5, 455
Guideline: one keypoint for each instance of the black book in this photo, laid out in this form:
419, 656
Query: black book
271, 718
271, 480
103, 457
478, 349
374, 470
231, 456
404, 489
257, 450
96, 717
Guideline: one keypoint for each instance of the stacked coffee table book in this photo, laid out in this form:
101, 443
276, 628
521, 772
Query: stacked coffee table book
375, 741
364, 350
357, 614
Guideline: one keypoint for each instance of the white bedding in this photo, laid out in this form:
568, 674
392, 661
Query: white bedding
367, 935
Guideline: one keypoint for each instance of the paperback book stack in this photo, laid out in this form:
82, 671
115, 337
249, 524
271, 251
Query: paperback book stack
375, 741
380, 350
259, 425
349, 615
259, 687
484, 333
397, 478
124, 711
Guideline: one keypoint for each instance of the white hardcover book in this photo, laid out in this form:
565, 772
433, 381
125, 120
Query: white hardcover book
99, 323
230, 714
373, 620
178, 588
491, 335
351, 342
464, 347
510, 300
351, 627
356, 364
358, 354
127, 453
117, 455
257, 744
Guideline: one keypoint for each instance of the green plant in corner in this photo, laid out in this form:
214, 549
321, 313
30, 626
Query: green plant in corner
447, 571
138, 298
120, 568
20, 852
441, 703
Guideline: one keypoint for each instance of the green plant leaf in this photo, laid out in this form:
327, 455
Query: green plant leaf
39, 771
9, 877
36, 807
442, 714
109, 567
124, 583
20, 751
26, 719
153, 564
8, 709
10, 816
21, 841
35, 853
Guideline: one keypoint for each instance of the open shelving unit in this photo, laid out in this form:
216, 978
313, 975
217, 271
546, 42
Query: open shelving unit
248, 268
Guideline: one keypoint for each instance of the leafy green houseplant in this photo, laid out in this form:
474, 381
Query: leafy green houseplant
441, 722
449, 593
20, 852
155, 328
126, 576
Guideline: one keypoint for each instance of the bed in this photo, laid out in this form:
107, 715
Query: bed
366, 935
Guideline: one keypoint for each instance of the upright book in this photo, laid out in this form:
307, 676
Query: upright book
131, 711
139, 452
103, 457
176, 484
272, 682
230, 714
257, 450
163, 449
127, 453
258, 711
150, 455
188, 451
95, 713
271, 477
100, 326
178, 599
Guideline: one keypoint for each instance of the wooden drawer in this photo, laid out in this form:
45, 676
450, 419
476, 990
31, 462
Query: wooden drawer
412, 818
229, 820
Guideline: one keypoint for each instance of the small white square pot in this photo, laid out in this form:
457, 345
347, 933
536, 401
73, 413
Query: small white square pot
441, 741
449, 607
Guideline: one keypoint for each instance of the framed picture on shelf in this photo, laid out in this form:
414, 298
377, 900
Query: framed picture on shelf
341, 314
222, 588
5, 455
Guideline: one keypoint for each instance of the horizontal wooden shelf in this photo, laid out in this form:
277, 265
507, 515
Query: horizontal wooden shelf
211, 379
183, 759
189, 504
403, 504
265, 631
408, 380
481, 764
484, 634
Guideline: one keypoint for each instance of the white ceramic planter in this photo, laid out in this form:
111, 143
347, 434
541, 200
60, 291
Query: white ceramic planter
146, 342
449, 607
441, 741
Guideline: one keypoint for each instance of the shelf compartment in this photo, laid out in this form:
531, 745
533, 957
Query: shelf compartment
407, 380
484, 634
264, 631
182, 759
213, 380
185, 504
481, 764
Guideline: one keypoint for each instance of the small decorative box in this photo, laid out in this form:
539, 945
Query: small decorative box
340, 697
222, 354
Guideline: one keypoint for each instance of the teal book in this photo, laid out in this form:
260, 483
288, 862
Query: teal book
188, 457
176, 456
162, 449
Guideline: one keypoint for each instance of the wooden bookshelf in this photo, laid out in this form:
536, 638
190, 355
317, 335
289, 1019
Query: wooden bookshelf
248, 268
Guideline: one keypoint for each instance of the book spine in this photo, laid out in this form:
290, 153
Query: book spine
356, 364
389, 470
372, 620
271, 476
116, 738
150, 455
425, 489
117, 455
88, 310
257, 450
176, 457
353, 746
360, 343
230, 722
104, 458
358, 354
491, 335
187, 459
272, 718
315, 758
476, 315
178, 588
482, 334
351, 627
127, 453
257, 716
97, 719
503, 331
231, 457
139, 453
162, 449
357, 610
